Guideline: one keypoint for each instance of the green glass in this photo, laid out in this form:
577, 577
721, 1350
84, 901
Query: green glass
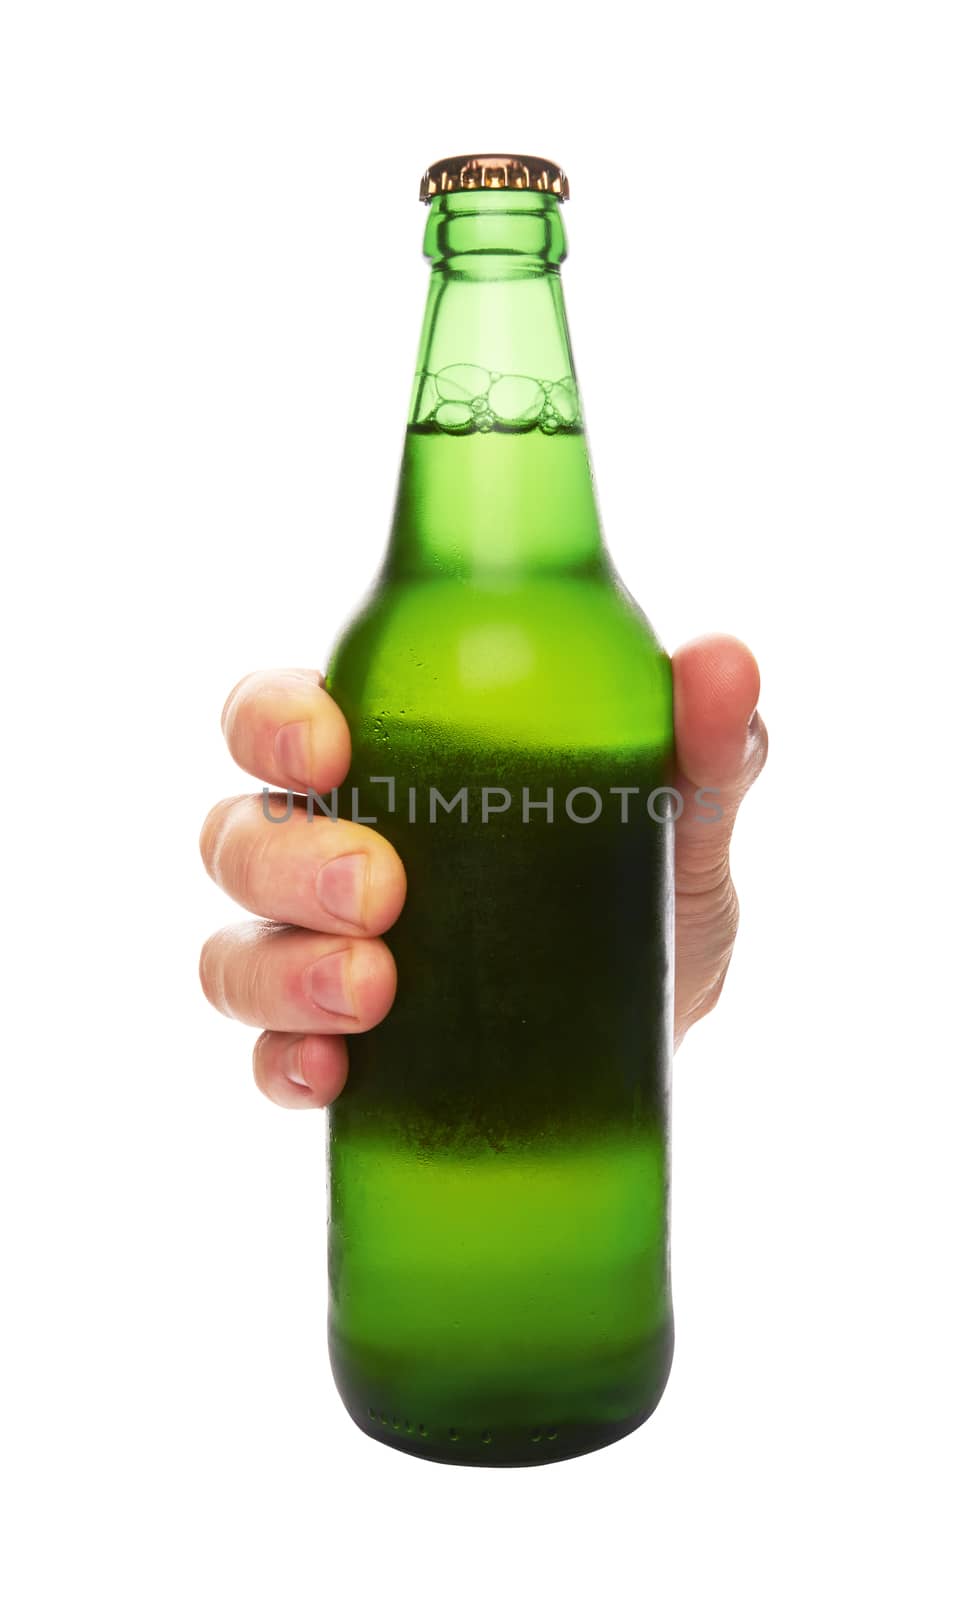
498, 1255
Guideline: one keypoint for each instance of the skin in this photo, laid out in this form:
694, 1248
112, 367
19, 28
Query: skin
315, 968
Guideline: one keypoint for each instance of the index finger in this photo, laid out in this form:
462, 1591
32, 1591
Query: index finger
284, 728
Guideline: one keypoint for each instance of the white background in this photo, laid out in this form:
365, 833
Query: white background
212, 296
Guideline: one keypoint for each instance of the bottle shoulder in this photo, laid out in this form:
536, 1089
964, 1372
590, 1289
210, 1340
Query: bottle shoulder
549, 659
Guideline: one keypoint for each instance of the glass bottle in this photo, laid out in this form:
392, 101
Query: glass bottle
499, 1270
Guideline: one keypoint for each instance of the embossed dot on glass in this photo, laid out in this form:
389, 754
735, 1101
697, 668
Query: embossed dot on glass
498, 1250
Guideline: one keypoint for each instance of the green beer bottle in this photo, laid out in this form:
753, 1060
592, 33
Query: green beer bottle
498, 1250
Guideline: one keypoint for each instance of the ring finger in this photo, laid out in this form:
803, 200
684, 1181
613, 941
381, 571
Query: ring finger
293, 981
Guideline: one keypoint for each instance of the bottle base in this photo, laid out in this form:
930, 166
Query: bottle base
508, 1443
487, 1451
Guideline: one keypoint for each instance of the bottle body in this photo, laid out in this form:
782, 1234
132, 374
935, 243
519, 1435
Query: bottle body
499, 1276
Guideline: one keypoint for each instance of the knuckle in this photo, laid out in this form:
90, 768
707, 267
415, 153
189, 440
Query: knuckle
236, 975
234, 850
705, 897
252, 988
703, 1000
247, 865
213, 834
707, 928
708, 1001
706, 878
212, 972
233, 701
252, 981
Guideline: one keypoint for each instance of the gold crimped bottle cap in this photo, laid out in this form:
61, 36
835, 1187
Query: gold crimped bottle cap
494, 172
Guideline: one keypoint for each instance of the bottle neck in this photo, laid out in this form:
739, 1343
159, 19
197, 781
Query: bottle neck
496, 474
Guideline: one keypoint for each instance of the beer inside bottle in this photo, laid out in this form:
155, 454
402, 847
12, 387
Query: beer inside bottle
498, 1254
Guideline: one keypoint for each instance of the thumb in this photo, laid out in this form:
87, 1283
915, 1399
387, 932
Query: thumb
720, 746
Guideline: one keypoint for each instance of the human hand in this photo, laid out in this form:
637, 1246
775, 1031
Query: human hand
316, 969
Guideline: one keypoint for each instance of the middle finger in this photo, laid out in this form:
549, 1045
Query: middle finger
332, 877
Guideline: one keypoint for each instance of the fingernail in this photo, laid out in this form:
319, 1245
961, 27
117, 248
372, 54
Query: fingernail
754, 723
293, 751
341, 885
292, 1064
326, 983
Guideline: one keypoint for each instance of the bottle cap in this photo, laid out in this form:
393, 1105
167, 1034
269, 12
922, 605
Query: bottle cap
494, 172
